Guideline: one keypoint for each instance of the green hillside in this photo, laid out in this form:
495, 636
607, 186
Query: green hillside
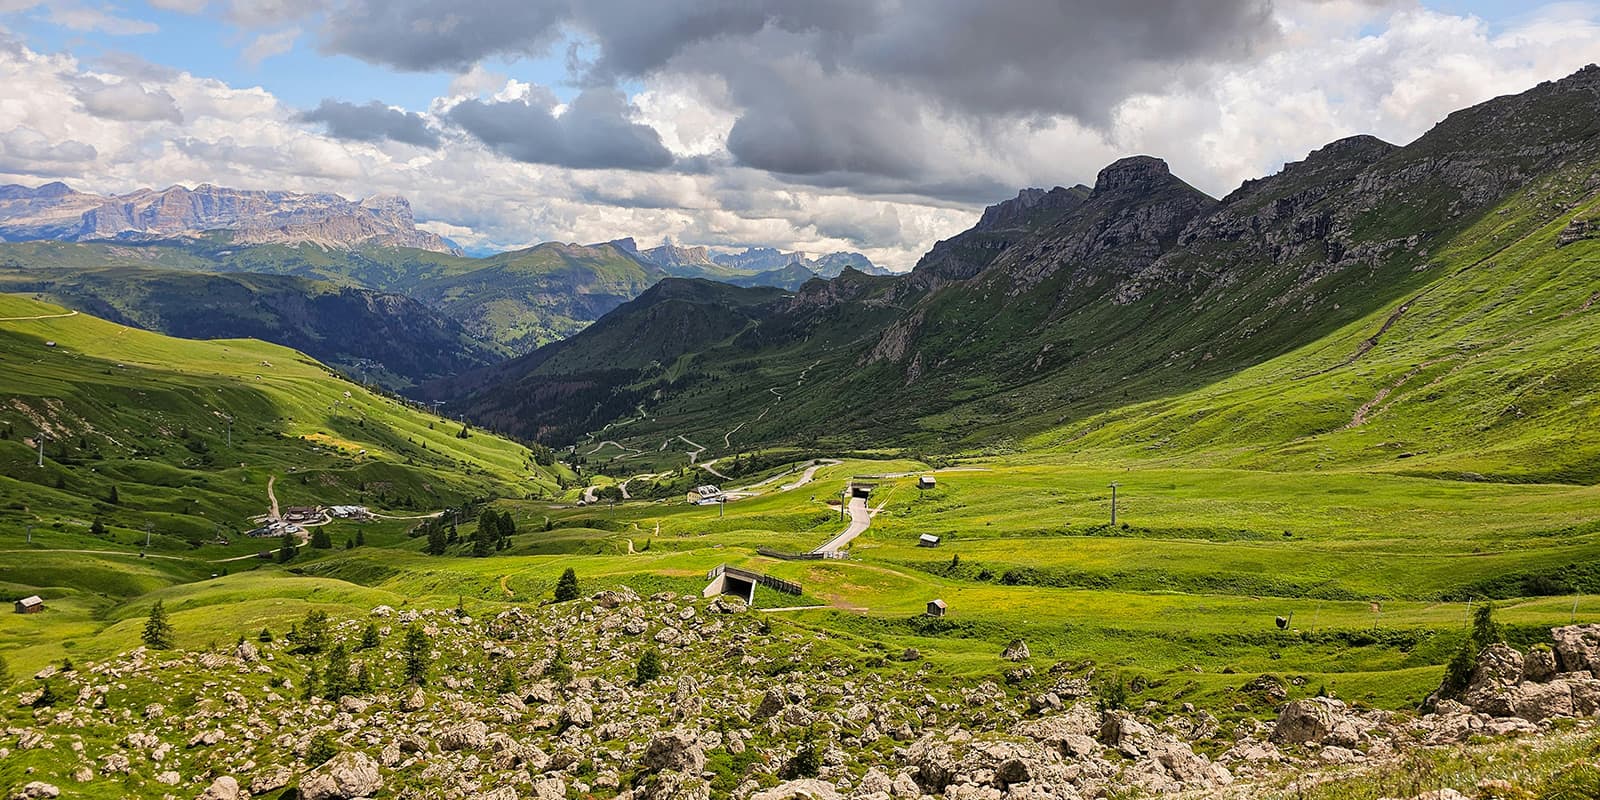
135, 437
387, 339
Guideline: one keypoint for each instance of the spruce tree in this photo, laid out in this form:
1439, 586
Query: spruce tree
111, 496
416, 653
567, 587
286, 547
436, 541
314, 632
363, 678
369, 637
98, 527
336, 679
157, 630
320, 539
488, 531
361, 538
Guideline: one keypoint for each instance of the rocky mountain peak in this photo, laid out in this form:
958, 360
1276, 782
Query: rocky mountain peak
1015, 211
1133, 172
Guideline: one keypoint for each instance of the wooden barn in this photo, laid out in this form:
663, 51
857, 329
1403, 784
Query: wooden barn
937, 608
31, 604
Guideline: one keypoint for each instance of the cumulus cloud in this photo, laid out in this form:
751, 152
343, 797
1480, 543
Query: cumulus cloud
127, 100
372, 122
596, 131
87, 19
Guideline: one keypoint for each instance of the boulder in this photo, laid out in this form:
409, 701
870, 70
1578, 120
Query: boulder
270, 779
466, 736
676, 751
1303, 721
577, 714
347, 775
223, 788
1577, 648
1539, 665
38, 789
1016, 651
803, 789
772, 704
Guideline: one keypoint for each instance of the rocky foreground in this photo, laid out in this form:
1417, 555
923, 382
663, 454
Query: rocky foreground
545, 704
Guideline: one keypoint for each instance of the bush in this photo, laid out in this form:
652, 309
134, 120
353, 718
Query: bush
648, 668
807, 761
322, 749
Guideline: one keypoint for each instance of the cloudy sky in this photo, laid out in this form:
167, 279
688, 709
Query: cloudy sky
871, 125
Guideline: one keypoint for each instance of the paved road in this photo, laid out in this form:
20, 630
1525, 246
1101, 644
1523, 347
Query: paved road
810, 473
860, 520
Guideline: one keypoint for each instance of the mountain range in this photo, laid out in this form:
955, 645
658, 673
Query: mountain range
1060, 307
56, 211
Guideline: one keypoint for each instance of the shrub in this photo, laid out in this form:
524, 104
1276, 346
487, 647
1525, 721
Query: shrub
322, 749
648, 668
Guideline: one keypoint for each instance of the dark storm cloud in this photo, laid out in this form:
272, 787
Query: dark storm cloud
596, 132
441, 34
372, 122
826, 89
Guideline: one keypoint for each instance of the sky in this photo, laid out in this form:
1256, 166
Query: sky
877, 126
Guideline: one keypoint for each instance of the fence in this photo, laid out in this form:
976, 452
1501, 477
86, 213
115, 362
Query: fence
783, 556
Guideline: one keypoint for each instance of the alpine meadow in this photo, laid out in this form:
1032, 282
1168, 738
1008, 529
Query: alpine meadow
1258, 459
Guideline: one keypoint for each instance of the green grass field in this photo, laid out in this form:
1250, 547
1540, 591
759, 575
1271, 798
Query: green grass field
1373, 569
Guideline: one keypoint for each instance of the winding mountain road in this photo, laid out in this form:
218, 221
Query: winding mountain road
860, 521
40, 316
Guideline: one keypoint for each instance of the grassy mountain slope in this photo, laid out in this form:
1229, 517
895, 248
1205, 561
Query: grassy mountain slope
526, 298
1062, 305
145, 414
386, 338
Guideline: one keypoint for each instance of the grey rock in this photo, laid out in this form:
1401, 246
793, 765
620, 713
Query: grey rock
347, 775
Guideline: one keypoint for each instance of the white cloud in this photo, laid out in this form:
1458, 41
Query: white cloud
86, 19
268, 45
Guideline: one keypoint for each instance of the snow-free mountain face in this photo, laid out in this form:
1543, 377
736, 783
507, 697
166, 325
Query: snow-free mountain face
56, 211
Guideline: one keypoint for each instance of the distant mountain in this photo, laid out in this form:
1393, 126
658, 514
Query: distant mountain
755, 266
56, 211
511, 302
1357, 280
526, 298
389, 339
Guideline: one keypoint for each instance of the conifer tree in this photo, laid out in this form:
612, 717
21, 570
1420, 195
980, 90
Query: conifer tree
567, 586
157, 629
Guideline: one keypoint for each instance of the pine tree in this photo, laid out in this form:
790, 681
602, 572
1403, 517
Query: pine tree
363, 678
286, 547
314, 632
265, 635
98, 527
416, 653
436, 541
361, 538
567, 587
336, 679
111, 496
369, 637
320, 539
313, 682
488, 531
157, 630
349, 543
